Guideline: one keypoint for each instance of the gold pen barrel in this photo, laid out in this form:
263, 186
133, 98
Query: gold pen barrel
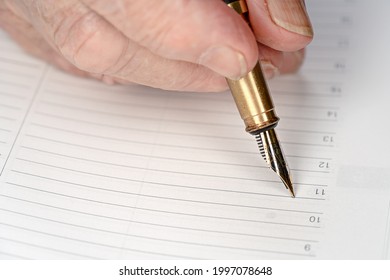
253, 101
250, 92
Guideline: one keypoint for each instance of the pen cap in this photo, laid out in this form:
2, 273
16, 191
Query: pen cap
250, 92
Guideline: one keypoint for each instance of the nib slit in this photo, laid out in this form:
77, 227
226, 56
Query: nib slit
272, 153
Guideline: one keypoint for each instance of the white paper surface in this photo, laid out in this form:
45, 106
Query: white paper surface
110, 172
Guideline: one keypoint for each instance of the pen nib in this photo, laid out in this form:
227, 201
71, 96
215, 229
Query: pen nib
272, 153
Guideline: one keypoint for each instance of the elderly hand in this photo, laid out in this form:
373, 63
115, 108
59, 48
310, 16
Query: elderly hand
171, 44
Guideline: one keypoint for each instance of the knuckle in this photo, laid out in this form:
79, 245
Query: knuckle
74, 39
89, 42
172, 38
158, 28
137, 63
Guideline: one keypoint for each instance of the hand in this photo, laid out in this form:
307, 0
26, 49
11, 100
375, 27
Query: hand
171, 44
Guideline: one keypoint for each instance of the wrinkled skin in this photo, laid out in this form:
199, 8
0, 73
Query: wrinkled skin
187, 45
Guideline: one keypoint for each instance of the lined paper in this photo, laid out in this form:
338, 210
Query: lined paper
19, 78
110, 172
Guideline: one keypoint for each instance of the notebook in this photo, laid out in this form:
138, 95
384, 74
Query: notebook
91, 171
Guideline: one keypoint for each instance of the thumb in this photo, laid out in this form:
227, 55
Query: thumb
283, 25
202, 32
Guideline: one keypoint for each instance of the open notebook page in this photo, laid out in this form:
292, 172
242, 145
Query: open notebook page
109, 172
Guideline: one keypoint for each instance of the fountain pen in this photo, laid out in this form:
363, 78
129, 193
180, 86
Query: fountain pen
254, 103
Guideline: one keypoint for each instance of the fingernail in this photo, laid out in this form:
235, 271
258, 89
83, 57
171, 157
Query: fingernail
225, 61
269, 70
291, 15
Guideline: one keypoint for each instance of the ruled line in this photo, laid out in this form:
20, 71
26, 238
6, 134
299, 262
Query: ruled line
143, 156
333, 48
162, 211
129, 140
12, 95
165, 145
7, 118
287, 80
326, 70
67, 118
128, 116
45, 247
111, 113
5, 130
3, 82
143, 181
126, 103
169, 198
323, 60
188, 186
82, 241
15, 73
10, 107
111, 218
222, 97
312, 94
322, 56
138, 105
334, 28
318, 79
92, 85
141, 236
13, 255
329, 38
25, 117
130, 249
100, 149
163, 158
18, 62
127, 153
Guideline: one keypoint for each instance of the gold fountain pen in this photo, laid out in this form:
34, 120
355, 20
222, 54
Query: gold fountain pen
256, 108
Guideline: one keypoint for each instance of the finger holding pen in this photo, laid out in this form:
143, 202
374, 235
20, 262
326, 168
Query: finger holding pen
178, 45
